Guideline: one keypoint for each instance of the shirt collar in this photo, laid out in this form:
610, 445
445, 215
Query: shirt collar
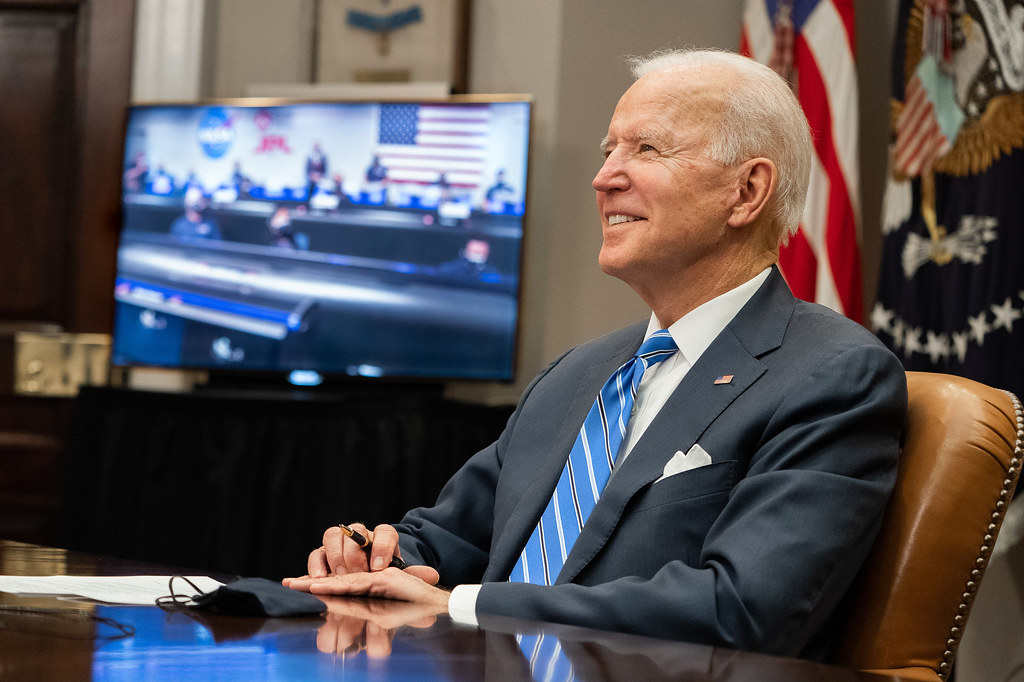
695, 331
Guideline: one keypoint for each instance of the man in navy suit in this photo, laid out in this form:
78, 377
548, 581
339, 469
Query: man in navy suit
759, 457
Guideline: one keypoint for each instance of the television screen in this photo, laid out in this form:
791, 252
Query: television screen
374, 239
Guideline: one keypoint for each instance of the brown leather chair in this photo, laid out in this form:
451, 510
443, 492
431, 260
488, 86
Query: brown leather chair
958, 469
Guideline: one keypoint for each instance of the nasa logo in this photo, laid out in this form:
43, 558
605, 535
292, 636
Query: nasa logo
216, 132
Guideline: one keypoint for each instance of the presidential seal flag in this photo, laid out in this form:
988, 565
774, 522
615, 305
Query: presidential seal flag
951, 290
810, 43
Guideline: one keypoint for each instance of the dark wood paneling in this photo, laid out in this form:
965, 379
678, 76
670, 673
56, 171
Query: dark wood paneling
32, 468
36, 136
64, 85
105, 62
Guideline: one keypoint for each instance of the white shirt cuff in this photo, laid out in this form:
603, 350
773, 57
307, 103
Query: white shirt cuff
462, 604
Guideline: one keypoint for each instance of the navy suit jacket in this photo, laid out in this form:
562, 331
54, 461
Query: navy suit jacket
753, 551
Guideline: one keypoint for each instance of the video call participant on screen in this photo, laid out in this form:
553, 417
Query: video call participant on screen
163, 182
281, 229
471, 263
316, 170
240, 181
375, 181
754, 471
498, 194
376, 172
137, 173
193, 223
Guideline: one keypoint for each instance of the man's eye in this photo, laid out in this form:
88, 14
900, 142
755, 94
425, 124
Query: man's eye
644, 147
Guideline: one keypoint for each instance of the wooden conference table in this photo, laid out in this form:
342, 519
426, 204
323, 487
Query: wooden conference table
50, 638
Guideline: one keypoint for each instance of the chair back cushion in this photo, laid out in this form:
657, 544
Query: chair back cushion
958, 469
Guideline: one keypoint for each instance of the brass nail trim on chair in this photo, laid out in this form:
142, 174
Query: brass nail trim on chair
956, 632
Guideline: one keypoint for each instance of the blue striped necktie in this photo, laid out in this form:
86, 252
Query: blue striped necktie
588, 468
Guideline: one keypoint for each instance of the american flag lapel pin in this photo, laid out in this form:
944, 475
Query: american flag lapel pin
724, 379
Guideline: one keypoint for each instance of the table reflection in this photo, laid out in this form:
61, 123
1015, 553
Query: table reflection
379, 639
357, 639
190, 644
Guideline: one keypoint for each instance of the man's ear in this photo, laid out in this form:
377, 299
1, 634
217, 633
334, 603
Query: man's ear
756, 184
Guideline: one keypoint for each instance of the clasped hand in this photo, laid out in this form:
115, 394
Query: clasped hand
341, 567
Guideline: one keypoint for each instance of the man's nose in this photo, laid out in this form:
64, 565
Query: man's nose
612, 175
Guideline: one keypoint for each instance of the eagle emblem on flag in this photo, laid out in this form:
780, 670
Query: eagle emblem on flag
951, 291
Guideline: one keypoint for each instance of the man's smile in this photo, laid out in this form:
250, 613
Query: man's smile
617, 219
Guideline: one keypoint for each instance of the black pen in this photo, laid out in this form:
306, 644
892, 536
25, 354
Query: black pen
361, 540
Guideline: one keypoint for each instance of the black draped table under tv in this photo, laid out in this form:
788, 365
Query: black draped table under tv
245, 483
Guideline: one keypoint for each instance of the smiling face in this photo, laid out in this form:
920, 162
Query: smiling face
664, 205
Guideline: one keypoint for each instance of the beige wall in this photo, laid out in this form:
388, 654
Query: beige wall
568, 55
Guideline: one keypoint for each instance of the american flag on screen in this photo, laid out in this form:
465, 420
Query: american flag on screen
419, 142
811, 43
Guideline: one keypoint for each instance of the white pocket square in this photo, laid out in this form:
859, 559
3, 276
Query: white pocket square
694, 458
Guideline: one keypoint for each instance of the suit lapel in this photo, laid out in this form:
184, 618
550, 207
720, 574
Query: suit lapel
537, 492
757, 329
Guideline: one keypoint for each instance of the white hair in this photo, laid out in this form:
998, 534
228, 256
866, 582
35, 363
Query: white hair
761, 118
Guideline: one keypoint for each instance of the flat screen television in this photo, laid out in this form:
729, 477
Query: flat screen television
345, 239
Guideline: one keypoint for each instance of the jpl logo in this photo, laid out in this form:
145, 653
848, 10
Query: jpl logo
216, 132
271, 143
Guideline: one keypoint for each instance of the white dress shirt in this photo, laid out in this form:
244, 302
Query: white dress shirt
693, 333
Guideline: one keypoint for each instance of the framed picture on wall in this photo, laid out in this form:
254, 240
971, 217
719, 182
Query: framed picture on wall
392, 41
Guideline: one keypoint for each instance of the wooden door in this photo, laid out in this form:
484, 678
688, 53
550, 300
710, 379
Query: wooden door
65, 76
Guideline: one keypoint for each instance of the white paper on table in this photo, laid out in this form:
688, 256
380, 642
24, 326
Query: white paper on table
128, 589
